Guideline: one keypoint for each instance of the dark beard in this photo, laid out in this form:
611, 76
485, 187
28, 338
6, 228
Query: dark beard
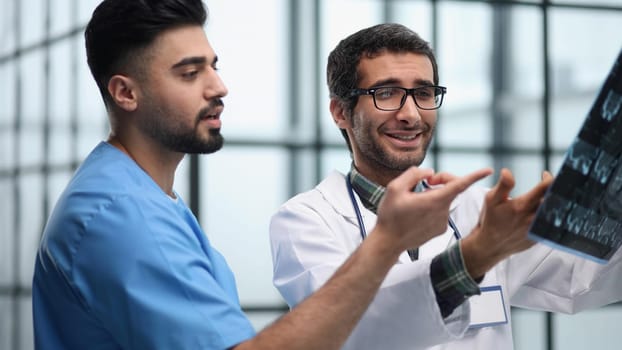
189, 143
384, 161
185, 141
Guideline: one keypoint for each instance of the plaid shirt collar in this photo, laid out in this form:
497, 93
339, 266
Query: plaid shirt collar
369, 192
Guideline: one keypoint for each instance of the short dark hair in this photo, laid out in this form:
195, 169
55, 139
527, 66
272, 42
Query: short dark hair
120, 30
342, 67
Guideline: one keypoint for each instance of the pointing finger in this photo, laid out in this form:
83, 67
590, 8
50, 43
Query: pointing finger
440, 178
459, 184
501, 191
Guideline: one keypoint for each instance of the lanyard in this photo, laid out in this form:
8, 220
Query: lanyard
359, 217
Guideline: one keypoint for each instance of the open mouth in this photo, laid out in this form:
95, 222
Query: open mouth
211, 114
404, 137
210, 117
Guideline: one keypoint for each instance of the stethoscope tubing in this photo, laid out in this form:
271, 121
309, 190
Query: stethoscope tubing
359, 217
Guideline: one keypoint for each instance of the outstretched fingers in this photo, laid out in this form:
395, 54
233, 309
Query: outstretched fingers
501, 191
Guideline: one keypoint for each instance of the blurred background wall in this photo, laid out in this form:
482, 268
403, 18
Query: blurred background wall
521, 76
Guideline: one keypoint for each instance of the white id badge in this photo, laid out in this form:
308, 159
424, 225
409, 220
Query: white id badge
488, 308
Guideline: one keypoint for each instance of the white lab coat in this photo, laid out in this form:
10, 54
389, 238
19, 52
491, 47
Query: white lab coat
314, 233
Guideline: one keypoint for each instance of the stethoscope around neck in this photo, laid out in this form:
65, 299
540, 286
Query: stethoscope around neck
359, 217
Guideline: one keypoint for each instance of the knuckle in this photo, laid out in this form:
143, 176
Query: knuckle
392, 187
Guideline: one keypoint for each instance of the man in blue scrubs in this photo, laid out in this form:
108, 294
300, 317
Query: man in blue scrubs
123, 263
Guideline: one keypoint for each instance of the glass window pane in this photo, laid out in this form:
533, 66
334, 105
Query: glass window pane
32, 86
307, 84
31, 146
241, 189
32, 21
57, 182
617, 3
89, 135
579, 70
462, 164
7, 93
26, 332
335, 159
61, 102
333, 28
7, 148
90, 105
527, 171
305, 178
85, 9
62, 16
463, 127
31, 220
523, 102
464, 62
60, 84
91, 113
59, 150
7, 114
593, 329
417, 15
257, 82
7, 27
6, 322
7, 231
528, 329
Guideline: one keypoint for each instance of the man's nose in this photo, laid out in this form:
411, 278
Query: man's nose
214, 86
409, 113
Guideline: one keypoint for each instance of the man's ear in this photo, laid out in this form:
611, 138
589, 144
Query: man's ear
123, 92
340, 116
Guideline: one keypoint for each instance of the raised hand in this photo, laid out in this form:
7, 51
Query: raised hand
503, 224
413, 217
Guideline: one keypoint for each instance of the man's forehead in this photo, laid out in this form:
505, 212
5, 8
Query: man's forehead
397, 65
179, 43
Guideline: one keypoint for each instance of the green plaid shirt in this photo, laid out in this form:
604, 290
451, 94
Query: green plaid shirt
451, 282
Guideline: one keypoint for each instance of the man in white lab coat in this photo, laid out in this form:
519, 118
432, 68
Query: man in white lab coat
455, 291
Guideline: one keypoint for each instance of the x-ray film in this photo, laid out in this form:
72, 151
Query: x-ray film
582, 210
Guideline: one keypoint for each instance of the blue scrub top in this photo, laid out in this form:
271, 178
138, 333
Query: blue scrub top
121, 265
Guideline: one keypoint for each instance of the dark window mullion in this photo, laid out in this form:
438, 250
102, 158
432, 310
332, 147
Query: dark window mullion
15, 314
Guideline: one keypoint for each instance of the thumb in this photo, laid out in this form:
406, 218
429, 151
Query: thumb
409, 179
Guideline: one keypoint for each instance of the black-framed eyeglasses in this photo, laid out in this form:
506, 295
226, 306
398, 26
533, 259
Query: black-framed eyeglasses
392, 98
